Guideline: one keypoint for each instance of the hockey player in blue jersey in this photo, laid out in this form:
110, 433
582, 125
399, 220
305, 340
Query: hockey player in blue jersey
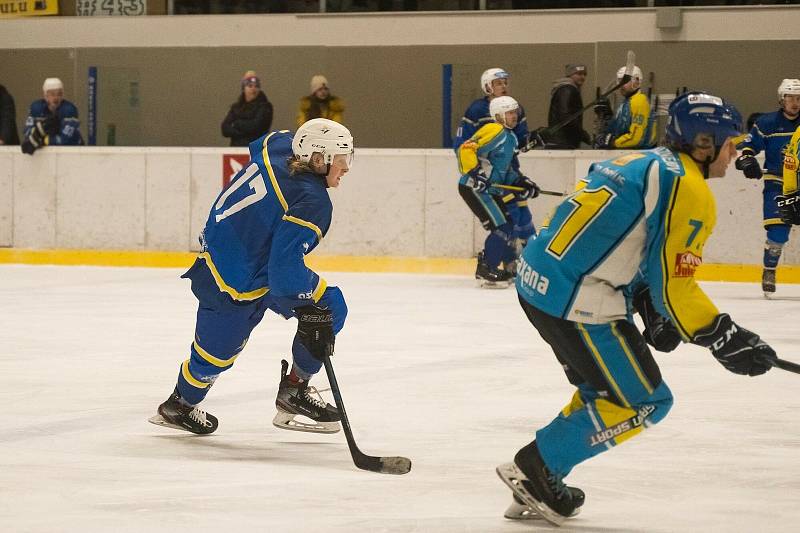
494, 83
641, 220
52, 120
771, 134
496, 192
274, 212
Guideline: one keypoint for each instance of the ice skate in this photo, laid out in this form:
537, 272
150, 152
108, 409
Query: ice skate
534, 484
298, 399
768, 282
492, 278
177, 415
519, 510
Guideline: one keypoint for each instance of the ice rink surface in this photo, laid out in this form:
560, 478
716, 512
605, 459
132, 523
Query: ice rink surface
430, 367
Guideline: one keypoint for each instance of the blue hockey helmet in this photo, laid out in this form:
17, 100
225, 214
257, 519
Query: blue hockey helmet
697, 113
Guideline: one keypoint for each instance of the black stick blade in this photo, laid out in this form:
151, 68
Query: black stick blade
383, 465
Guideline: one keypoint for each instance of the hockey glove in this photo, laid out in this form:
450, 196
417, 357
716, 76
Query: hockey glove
749, 166
33, 142
659, 332
47, 126
739, 350
315, 330
604, 141
478, 180
789, 208
531, 190
534, 139
602, 108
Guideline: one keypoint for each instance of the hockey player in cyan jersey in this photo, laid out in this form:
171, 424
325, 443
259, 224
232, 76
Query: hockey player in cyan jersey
485, 164
631, 127
770, 135
494, 83
274, 212
641, 219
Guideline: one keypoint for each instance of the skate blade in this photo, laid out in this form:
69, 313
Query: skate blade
161, 421
520, 511
286, 421
513, 477
484, 284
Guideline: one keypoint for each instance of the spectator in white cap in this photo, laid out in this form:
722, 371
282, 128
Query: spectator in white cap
320, 103
52, 120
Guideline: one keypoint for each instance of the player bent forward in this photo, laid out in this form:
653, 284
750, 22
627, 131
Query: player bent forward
275, 211
641, 220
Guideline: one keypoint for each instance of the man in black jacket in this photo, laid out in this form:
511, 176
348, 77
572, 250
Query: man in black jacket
250, 116
8, 116
565, 100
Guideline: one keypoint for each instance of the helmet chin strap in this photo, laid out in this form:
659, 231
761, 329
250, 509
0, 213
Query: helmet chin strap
705, 164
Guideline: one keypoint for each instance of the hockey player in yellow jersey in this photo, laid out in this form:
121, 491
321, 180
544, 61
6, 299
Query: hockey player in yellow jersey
631, 127
640, 222
789, 202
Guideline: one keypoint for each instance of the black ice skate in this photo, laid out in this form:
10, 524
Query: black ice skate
768, 282
298, 399
492, 278
519, 510
536, 486
176, 415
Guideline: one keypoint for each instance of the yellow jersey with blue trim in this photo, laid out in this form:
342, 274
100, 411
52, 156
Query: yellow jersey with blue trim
790, 161
642, 218
632, 127
493, 147
263, 224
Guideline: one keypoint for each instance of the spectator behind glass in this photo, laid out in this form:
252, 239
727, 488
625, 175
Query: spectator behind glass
320, 103
250, 116
51, 120
565, 99
8, 118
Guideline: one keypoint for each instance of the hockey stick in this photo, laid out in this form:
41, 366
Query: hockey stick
383, 465
544, 132
783, 364
541, 191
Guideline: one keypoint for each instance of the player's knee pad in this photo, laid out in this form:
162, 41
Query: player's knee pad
777, 234
333, 299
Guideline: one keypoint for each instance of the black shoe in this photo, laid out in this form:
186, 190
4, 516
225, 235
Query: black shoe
491, 275
543, 484
297, 398
177, 415
768, 281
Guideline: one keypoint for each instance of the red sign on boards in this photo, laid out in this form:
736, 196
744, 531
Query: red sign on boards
231, 165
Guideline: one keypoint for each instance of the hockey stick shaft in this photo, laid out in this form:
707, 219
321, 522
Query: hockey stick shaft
519, 189
786, 365
384, 465
631, 61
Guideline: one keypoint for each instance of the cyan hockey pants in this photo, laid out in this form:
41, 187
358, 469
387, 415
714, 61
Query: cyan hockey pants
620, 391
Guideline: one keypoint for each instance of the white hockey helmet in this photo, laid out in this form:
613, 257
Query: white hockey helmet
501, 105
490, 75
54, 84
635, 75
788, 86
324, 136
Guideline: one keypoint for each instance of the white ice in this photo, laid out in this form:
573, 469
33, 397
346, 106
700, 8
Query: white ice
430, 367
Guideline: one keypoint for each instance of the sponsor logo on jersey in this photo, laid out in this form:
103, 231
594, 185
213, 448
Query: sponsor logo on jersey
685, 264
790, 162
531, 279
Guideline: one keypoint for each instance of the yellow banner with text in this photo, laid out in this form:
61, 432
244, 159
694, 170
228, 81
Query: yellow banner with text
27, 8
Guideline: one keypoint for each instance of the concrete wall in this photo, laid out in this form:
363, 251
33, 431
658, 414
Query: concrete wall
387, 66
393, 203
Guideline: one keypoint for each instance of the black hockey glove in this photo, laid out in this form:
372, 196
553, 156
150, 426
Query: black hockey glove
604, 141
531, 190
659, 332
739, 350
315, 330
602, 108
33, 142
534, 139
47, 126
478, 180
749, 166
789, 208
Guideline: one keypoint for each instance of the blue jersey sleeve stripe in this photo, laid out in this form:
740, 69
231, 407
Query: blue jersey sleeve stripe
224, 287
322, 285
310, 225
278, 192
